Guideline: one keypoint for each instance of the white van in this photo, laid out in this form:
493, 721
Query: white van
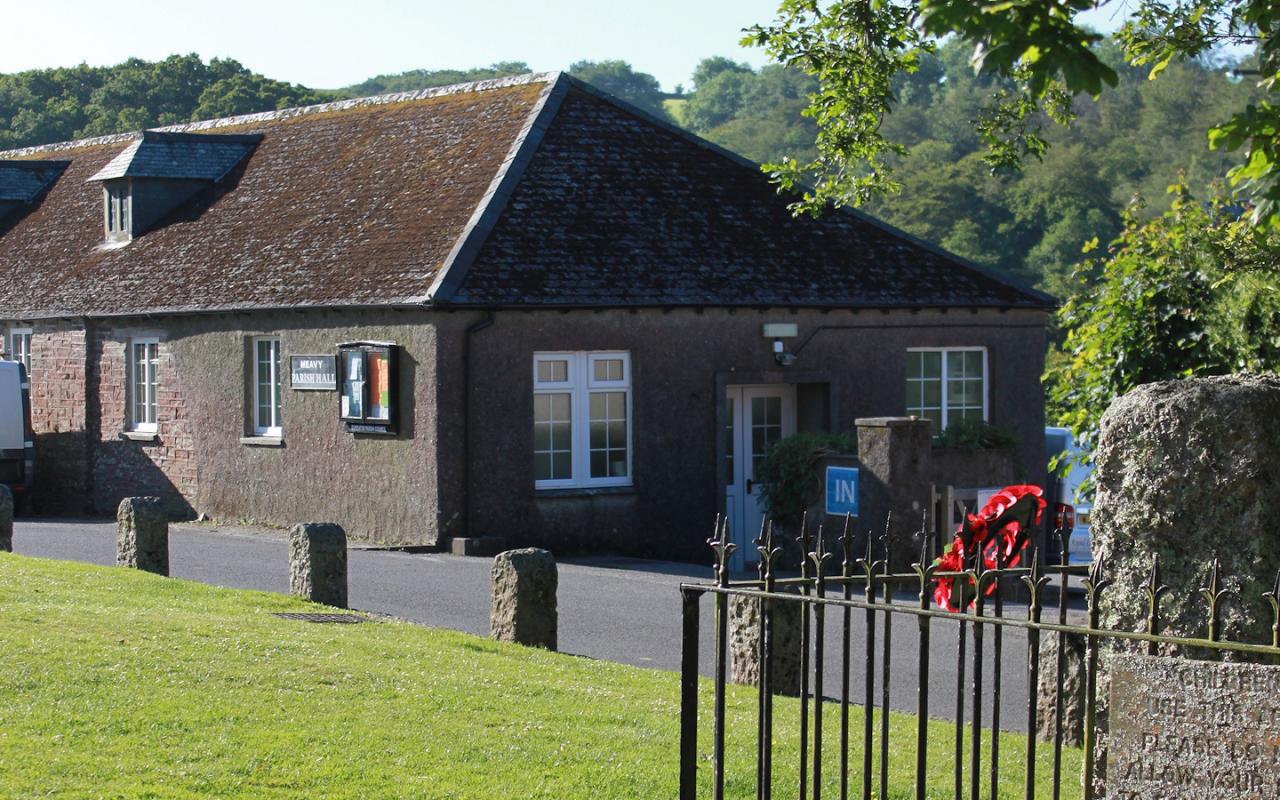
17, 450
1070, 504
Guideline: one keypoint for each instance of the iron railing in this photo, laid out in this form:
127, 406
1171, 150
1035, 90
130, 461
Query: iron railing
865, 584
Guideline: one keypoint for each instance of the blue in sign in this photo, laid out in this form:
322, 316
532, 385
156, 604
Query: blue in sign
842, 490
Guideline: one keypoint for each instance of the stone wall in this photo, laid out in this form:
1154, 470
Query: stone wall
202, 460
976, 469
58, 414
165, 466
682, 361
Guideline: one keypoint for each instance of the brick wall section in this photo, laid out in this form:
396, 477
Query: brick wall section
58, 414
165, 467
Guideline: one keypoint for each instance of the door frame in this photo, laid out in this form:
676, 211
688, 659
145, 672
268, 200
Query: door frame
743, 518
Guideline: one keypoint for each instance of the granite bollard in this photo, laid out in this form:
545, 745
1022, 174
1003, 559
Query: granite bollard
1072, 689
523, 592
142, 535
318, 563
6, 519
784, 650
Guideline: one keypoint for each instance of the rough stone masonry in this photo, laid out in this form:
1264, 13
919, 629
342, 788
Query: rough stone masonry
1190, 470
142, 537
744, 644
523, 591
318, 563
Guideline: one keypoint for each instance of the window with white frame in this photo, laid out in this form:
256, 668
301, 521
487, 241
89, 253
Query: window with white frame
118, 210
946, 385
20, 347
266, 387
581, 419
144, 357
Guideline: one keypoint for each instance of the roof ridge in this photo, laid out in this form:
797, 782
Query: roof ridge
297, 111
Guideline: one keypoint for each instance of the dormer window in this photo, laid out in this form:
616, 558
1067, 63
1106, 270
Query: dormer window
160, 171
118, 211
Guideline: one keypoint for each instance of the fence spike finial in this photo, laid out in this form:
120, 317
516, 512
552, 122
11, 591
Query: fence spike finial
1096, 582
1035, 580
846, 543
1273, 597
768, 552
1154, 589
723, 549
884, 538
1215, 594
819, 555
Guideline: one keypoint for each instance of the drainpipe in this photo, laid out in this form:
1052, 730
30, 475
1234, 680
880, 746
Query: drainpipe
472, 329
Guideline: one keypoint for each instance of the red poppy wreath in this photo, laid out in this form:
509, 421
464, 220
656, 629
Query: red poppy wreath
999, 531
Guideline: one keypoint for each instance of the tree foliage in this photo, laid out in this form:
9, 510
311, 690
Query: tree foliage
1195, 291
1038, 58
428, 78
52, 105
619, 79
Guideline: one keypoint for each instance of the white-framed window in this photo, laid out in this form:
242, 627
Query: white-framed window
144, 357
118, 210
20, 346
581, 419
266, 387
947, 384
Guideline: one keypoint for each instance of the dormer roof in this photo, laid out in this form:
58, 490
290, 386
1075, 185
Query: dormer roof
23, 181
180, 156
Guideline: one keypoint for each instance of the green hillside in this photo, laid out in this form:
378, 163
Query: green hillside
1133, 142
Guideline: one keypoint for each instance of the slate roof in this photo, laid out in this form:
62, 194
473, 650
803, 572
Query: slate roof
23, 181
188, 156
536, 191
616, 208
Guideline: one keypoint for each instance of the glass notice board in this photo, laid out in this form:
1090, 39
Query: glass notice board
367, 386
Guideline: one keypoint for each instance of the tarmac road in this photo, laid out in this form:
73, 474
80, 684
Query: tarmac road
623, 610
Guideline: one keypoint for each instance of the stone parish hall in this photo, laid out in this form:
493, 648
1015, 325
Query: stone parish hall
518, 308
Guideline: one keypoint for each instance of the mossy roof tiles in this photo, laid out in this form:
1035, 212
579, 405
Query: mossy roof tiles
350, 203
530, 192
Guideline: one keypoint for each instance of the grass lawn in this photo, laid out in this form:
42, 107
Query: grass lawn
115, 683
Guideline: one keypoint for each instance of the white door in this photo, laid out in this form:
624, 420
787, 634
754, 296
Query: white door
758, 416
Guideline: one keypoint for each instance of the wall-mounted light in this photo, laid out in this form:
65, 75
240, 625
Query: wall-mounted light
777, 331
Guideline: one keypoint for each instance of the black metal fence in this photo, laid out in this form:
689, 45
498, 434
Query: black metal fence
863, 585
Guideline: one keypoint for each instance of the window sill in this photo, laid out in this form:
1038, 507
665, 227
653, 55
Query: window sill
584, 491
141, 436
262, 441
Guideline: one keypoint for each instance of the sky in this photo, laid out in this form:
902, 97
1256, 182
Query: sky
327, 44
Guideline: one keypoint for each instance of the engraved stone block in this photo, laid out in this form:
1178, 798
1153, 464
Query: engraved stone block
1193, 730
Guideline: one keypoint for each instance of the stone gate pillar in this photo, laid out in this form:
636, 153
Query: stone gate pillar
1190, 470
895, 456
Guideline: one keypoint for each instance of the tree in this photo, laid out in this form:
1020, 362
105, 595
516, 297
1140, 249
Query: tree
1195, 291
1036, 56
619, 79
427, 78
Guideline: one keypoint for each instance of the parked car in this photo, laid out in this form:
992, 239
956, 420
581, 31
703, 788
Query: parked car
17, 453
1069, 506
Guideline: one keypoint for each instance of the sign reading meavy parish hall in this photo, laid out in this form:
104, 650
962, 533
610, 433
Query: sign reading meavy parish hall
1193, 730
317, 373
